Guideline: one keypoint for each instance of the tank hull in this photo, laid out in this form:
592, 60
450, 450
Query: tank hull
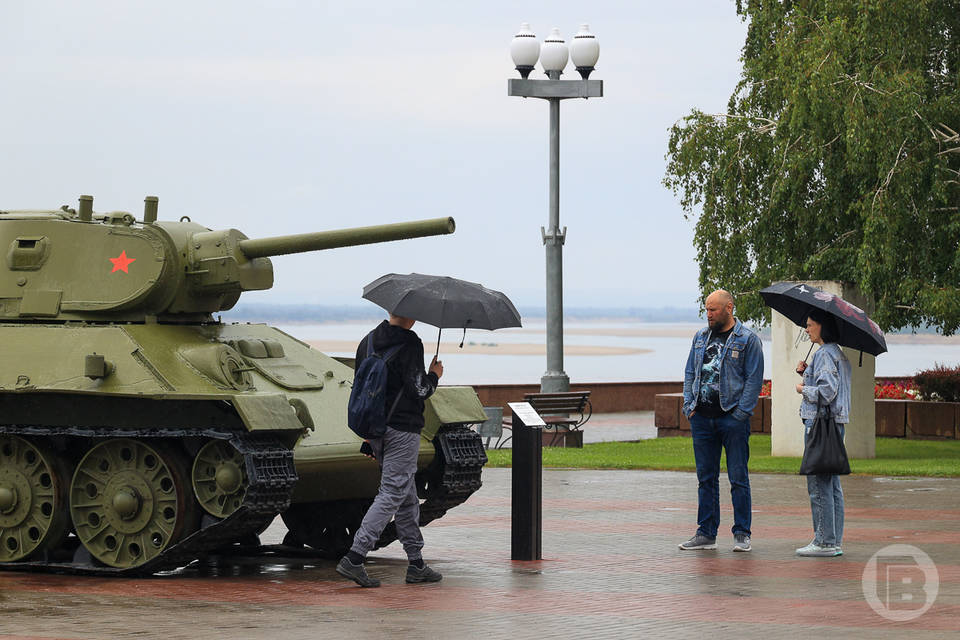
161, 443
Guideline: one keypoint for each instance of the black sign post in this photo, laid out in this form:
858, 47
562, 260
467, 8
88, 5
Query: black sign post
527, 511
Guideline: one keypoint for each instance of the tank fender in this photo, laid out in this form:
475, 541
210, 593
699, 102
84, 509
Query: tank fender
451, 405
267, 412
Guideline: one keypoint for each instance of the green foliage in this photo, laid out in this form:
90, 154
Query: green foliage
838, 158
895, 457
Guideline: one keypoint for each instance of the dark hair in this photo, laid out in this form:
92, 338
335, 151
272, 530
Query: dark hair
828, 325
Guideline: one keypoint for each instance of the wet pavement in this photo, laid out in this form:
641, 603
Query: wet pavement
611, 568
620, 427
627, 426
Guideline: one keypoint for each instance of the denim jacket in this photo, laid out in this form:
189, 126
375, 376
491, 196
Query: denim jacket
827, 379
741, 372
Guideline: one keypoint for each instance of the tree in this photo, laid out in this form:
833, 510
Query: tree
838, 158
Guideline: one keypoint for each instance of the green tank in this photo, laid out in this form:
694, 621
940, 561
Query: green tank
138, 432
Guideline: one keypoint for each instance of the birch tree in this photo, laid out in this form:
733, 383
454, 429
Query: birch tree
837, 158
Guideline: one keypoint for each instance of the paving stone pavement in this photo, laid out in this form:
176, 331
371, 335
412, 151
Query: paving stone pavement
627, 426
611, 569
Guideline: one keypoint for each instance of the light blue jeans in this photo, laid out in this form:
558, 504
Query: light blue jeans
826, 502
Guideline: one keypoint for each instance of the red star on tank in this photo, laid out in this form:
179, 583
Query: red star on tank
121, 263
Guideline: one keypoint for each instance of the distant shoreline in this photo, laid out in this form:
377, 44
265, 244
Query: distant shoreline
487, 343
493, 349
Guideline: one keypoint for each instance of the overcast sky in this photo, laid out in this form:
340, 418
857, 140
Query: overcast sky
284, 117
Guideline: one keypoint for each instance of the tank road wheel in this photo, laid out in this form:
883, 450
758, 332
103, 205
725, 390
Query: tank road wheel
129, 501
33, 499
219, 478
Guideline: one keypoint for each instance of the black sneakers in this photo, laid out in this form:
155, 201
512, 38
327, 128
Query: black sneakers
357, 573
426, 574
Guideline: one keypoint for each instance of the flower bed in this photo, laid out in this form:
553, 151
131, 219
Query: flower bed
882, 390
894, 391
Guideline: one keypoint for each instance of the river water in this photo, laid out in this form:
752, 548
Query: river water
665, 347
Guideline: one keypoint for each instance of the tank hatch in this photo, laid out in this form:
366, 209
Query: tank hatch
268, 358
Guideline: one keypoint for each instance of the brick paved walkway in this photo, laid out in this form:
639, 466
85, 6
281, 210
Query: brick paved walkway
627, 426
611, 569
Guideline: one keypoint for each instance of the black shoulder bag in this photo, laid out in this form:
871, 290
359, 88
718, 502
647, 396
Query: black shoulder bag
825, 453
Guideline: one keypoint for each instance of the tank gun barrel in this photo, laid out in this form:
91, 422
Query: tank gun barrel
301, 242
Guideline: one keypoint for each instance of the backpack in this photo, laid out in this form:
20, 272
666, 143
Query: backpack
366, 414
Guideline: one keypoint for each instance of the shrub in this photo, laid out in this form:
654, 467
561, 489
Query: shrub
940, 383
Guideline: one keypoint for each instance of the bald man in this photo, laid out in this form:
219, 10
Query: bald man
721, 385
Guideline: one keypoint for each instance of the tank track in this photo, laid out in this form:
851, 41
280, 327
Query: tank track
271, 476
452, 477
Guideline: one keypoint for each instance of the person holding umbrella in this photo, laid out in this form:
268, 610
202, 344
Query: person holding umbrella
825, 386
408, 385
443, 302
831, 322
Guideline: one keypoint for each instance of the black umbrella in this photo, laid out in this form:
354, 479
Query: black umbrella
855, 329
444, 302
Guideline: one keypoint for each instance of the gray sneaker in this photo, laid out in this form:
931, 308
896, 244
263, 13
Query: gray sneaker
356, 572
415, 574
697, 542
741, 542
817, 551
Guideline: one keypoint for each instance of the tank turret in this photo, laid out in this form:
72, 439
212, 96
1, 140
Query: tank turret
74, 264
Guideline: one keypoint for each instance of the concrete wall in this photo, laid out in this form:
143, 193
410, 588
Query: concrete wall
911, 419
605, 397
786, 428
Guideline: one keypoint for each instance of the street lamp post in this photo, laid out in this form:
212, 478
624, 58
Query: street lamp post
525, 50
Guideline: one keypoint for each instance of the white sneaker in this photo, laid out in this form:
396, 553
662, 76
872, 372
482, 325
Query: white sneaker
817, 551
741, 542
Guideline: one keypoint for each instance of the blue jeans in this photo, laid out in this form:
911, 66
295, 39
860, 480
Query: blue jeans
710, 437
826, 503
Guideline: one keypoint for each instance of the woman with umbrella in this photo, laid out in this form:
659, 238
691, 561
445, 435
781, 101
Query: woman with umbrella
831, 322
825, 387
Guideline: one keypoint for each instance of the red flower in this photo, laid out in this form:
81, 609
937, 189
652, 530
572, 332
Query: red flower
894, 391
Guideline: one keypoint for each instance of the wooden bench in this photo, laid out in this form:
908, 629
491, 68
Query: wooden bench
564, 413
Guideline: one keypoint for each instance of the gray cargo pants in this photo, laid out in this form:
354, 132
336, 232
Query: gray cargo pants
397, 453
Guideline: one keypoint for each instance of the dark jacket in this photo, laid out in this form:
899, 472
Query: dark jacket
406, 373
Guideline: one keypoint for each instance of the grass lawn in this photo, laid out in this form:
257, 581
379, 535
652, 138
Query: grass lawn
895, 457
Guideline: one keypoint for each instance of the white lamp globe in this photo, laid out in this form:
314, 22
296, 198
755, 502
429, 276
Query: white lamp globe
585, 51
554, 53
525, 49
